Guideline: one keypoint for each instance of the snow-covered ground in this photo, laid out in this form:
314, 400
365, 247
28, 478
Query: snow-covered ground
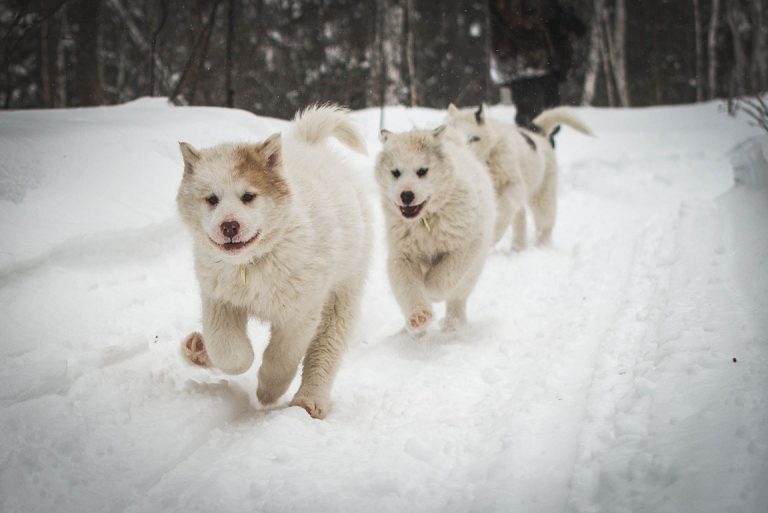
623, 369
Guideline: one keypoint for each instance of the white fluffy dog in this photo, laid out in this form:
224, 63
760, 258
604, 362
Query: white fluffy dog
522, 165
439, 210
282, 232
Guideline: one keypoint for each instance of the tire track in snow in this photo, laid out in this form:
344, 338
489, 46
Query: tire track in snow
682, 424
616, 402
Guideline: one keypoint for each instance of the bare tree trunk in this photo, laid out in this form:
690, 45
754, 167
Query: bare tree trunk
712, 49
606, 57
593, 61
392, 38
409, 53
87, 49
141, 42
153, 45
230, 91
699, 52
739, 78
61, 63
50, 37
380, 65
658, 87
121, 69
620, 52
759, 57
203, 56
205, 40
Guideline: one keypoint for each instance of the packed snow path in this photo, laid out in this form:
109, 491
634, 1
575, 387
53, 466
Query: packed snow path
622, 369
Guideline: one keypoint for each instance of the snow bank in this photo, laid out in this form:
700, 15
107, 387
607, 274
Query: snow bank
750, 162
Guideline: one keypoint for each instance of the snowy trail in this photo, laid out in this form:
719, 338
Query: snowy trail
594, 375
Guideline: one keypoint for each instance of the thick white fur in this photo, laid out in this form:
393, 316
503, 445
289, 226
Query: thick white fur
439, 260
305, 272
522, 176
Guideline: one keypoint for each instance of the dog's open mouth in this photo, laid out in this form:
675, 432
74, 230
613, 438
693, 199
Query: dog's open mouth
232, 247
411, 211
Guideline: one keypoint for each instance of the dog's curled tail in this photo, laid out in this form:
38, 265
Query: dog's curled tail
550, 119
317, 122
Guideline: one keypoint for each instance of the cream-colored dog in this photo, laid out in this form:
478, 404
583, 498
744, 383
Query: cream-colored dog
522, 165
439, 210
282, 233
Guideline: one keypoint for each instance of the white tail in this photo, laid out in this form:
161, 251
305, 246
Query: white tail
552, 118
317, 122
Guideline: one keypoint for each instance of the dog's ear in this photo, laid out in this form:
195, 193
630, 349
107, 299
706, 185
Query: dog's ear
480, 115
190, 155
384, 135
271, 149
452, 109
438, 132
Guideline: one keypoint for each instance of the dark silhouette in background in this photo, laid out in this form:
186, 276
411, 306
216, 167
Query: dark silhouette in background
532, 51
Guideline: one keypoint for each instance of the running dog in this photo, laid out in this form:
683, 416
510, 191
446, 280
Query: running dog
440, 212
522, 165
282, 233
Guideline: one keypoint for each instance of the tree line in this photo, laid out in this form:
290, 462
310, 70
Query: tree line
275, 56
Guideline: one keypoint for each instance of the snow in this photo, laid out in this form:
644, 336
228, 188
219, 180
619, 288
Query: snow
596, 375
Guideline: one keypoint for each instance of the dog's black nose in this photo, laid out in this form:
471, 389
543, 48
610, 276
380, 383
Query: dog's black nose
407, 197
230, 228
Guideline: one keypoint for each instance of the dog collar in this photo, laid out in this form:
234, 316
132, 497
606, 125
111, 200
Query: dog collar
426, 223
244, 274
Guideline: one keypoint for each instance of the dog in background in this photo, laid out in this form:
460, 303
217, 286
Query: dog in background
522, 165
440, 213
282, 233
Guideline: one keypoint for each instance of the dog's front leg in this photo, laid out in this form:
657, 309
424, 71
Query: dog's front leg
225, 338
407, 281
287, 345
446, 274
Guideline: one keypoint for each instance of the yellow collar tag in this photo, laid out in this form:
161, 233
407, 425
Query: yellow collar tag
244, 274
426, 224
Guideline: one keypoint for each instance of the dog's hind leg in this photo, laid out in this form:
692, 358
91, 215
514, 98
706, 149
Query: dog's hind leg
504, 211
455, 314
544, 207
280, 361
224, 337
325, 351
520, 228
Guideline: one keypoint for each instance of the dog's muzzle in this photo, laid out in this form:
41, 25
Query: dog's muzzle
234, 247
411, 211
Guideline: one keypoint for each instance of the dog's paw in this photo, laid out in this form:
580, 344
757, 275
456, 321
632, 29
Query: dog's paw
419, 320
267, 394
518, 246
193, 350
317, 407
451, 324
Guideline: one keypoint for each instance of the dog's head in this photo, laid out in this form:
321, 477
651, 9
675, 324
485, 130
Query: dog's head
233, 197
472, 124
412, 171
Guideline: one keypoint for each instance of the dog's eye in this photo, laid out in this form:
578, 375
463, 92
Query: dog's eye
396, 173
212, 200
247, 197
474, 138
422, 172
